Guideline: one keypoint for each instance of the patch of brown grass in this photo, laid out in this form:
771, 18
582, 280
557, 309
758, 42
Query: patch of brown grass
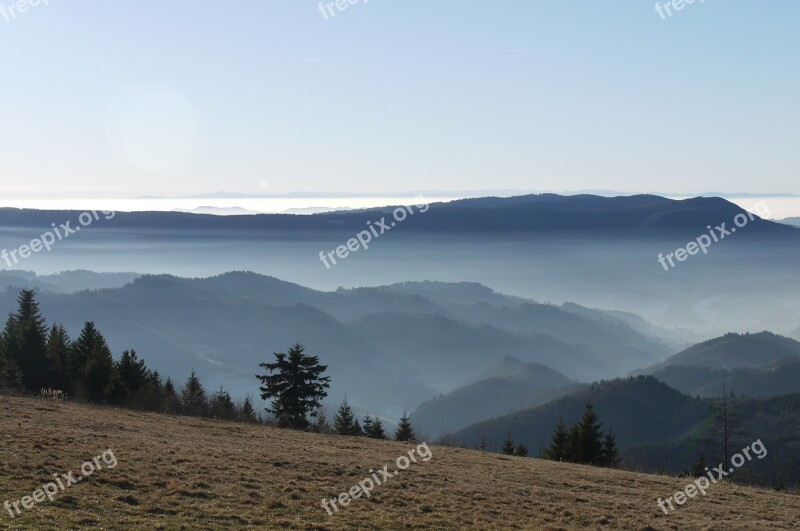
188, 473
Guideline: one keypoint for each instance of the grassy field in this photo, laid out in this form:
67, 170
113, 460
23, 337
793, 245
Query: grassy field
188, 473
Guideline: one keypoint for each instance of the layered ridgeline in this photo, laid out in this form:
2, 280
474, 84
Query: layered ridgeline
510, 386
735, 350
598, 251
389, 348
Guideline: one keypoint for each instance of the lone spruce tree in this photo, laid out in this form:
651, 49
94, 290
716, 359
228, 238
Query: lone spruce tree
25, 344
296, 386
404, 430
193, 397
345, 422
590, 438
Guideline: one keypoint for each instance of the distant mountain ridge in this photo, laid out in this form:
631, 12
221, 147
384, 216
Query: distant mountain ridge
508, 386
735, 351
535, 214
781, 378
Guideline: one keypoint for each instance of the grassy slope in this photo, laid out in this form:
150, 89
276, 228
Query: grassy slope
178, 472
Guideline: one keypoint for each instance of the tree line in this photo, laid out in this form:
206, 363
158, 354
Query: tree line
584, 443
34, 357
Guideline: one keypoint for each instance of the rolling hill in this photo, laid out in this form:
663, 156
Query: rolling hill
509, 386
658, 428
781, 378
638, 410
736, 350
179, 472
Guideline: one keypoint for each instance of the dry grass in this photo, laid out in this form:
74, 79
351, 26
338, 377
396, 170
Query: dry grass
187, 473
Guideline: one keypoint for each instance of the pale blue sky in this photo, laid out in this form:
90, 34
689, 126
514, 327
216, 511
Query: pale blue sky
124, 98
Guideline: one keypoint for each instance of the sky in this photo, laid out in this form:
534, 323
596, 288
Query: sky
122, 99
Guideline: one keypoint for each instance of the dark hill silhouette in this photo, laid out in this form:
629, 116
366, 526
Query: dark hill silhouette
736, 350
509, 386
638, 410
781, 378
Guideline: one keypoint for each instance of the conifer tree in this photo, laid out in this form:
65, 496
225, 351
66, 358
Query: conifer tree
94, 364
521, 450
373, 428
508, 445
25, 343
247, 413
193, 397
322, 424
58, 349
367, 426
610, 455
590, 438
559, 449
296, 386
404, 431
345, 422
171, 402
10, 373
151, 395
132, 372
222, 406
699, 468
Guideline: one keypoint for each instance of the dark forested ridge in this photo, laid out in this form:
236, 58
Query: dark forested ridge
657, 428
736, 350
781, 378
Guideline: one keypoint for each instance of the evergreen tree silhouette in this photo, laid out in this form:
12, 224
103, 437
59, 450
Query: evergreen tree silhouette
58, 349
375, 429
344, 422
589, 443
559, 449
610, 454
248, 412
25, 345
521, 450
404, 431
93, 364
508, 445
193, 397
296, 386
